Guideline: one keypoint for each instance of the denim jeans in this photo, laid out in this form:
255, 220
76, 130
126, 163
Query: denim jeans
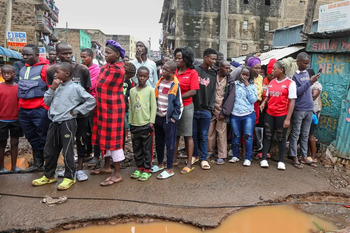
245, 124
301, 122
201, 124
35, 124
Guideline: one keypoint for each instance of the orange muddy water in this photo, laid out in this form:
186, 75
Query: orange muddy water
274, 219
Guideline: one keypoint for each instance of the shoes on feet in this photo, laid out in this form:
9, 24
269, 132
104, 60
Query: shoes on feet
66, 184
247, 163
264, 163
234, 160
281, 166
81, 176
42, 181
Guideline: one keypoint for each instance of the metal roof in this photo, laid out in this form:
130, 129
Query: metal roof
10, 53
279, 53
330, 34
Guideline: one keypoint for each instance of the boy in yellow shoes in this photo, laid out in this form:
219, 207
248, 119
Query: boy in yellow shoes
66, 100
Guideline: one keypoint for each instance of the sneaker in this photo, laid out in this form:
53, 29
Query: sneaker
264, 163
4, 171
81, 176
60, 173
42, 181
66, 184
234, 160
247, 163
281, 166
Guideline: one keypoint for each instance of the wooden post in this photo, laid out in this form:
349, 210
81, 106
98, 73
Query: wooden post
309, 18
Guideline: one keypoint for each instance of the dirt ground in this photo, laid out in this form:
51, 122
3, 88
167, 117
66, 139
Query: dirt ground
234, 184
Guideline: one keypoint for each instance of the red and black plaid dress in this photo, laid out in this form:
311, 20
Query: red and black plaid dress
108, 128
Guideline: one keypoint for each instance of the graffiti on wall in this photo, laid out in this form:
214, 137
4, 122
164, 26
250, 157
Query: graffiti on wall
326, 100
328, 124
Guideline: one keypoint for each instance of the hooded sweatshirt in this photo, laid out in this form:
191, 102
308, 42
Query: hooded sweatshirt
36, 102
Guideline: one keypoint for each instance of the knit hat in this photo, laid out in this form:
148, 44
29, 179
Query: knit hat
270, 65
235, 64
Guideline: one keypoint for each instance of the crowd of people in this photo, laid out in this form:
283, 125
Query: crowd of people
58, 103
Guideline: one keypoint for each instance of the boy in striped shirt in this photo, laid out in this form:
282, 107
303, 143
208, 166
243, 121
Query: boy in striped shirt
169, 109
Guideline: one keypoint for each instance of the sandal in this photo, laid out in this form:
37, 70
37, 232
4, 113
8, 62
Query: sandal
308, 162
194, 160
145, 176
136, 174
164, 175
205, 165
155, 169
66, 184
175, 164
109, 181
220, 162
101, 171
297, 165
186, 170
43, 180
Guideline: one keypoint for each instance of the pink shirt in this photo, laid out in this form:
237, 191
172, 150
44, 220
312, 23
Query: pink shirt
94, 72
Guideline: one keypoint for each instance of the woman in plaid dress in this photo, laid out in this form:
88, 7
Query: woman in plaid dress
108, 126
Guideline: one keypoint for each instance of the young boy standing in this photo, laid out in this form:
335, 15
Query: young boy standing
142, 114
169, 109
9, 117
218, 126
66, 100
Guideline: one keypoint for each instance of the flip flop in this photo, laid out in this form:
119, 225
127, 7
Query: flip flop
297, 165
308, 162
109, 181
175, 164
164, 175
205, 165
186, 170
194, 160
155, 169
220, 162
100, 172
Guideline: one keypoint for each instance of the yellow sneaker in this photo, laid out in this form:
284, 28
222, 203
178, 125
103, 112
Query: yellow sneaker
66, 184
43, 180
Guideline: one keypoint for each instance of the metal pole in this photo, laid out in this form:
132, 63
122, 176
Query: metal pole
8, 22
67, 32
223, 27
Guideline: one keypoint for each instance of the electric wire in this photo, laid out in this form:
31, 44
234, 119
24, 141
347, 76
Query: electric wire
180, 205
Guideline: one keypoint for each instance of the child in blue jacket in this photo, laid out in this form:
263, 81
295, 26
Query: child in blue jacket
169, 110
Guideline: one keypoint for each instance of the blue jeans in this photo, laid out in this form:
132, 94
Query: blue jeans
35, 124
245, 124
201, 124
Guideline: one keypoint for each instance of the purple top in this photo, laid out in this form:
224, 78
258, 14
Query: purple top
304, 102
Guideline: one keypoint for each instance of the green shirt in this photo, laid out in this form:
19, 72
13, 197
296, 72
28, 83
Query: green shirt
143, 106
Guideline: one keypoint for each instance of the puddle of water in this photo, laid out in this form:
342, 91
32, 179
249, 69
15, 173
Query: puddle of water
275, 219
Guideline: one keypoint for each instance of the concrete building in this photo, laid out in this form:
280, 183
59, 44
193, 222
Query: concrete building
37, 18
235, 27
78, 37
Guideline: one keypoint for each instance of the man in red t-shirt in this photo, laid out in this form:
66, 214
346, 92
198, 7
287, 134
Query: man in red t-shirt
32, 110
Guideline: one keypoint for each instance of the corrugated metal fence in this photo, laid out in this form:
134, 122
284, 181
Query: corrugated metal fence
343, 132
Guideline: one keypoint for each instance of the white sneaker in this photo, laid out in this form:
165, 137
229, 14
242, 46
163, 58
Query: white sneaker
247, 163
264, 163
281, 166
233, 160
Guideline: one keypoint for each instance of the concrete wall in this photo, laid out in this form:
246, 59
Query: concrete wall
198, 23
23, 19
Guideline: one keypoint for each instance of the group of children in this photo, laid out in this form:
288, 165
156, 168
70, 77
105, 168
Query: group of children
194, 102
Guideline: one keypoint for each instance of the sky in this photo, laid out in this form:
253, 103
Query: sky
138, 18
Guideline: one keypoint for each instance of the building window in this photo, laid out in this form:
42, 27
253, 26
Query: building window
267, 2
267, 26
244, 47
266, 47
246, 1
245, 25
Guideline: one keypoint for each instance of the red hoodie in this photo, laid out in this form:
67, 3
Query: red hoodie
36, 102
